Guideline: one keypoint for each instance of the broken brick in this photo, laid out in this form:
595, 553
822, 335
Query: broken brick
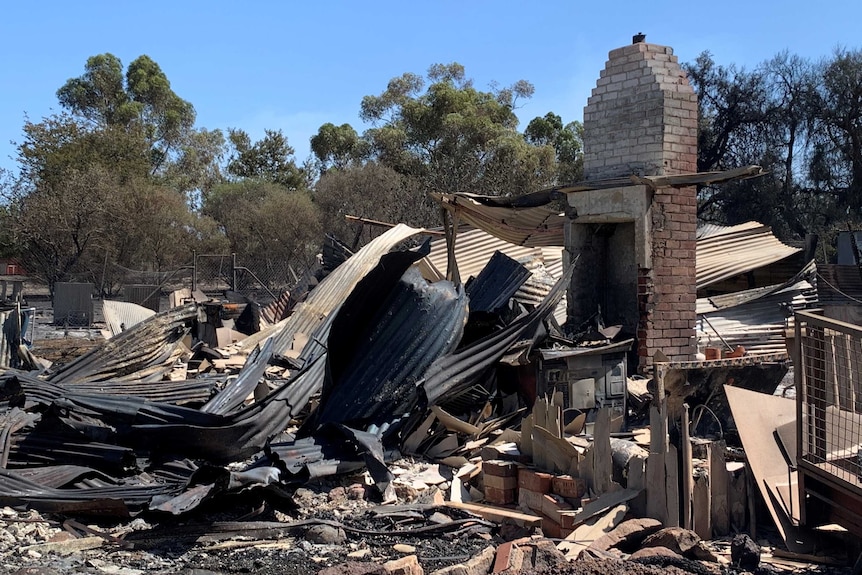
568, 486
535, 481
408, 565
500, 468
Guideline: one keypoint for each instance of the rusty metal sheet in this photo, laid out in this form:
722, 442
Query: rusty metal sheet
756, 416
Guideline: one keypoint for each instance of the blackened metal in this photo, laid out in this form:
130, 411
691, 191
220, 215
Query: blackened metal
142, 346
381, 343
329, 294
61, 476
235, 393
454, 373
498, 281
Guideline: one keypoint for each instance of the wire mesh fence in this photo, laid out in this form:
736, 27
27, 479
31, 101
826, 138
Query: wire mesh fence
261, 279
830, 424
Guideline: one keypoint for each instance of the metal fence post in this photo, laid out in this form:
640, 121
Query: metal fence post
233, 271
194, 271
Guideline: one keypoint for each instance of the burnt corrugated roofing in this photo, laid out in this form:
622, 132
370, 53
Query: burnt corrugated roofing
335, 287
387, 333
758, 322
454, 373
727, 251
150, 343
496, 283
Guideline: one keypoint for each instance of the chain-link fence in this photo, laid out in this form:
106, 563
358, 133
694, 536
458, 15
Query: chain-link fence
259, 279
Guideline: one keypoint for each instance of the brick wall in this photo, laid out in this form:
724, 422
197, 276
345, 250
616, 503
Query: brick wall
642, 119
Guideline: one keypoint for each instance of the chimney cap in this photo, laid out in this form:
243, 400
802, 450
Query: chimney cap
638, 38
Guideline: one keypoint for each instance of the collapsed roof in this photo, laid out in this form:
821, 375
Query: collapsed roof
380, 344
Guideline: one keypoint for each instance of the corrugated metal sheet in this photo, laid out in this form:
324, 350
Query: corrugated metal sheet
335, 288
473, 251
148, 344
391, 328
839, 284
235, 393
496, 283
534, 225
454, 373
727, 251
121, 315
758, 324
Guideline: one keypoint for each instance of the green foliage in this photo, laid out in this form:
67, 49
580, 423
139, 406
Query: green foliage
270, 159
61, 143
453, 137
567, 142
144, 102
103, 184
197, 166
338, 147
266, 225
371, 191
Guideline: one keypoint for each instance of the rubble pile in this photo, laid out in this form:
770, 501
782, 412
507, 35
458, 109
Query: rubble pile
159, 450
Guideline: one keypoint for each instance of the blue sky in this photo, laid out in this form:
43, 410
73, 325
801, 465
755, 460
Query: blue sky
296, 65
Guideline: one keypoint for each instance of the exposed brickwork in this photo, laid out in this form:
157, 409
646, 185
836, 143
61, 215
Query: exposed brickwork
642, 119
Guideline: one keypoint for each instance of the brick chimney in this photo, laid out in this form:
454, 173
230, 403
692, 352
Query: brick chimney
637, 246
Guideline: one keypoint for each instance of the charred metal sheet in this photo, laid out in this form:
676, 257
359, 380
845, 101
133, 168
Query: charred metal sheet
335, 288
181, 392
383, 339
496, 283
219, 439
208, 482
136, 350
64, 476
39, 449
333, 449
235, 393
454, 373
759, 325
35, 391
755, 319
11, 422
114, 501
